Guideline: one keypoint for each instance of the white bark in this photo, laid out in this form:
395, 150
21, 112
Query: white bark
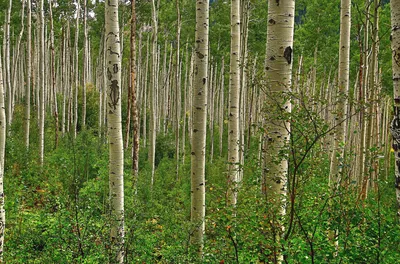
116, 163
234, 105
154, 89
2, 155
42, 84
343, 88
76, 68
199, 107
278, 76
395, 125
28, 78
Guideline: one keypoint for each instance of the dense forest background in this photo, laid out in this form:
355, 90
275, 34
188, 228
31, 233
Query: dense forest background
58, 210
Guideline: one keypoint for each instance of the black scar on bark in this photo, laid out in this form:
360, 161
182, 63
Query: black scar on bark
114, 93
277, 2
288, 54
109, 75
199, 55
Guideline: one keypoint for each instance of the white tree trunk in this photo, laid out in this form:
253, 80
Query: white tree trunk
343, 88
85, 63
199, 108
133, 83
278, 74
2, 155
42, 84
154, 89
116, 163
76, 68
28, 78
395, 125
234, 105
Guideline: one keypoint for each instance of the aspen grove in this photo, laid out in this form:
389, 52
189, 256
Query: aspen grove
207, 131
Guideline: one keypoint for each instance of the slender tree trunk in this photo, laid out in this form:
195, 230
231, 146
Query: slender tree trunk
154, 90
76, 68
145, 92
85, 62
221, 108
42, 84
234, 105
178, 87
372, 86
337, 160
116, 167
278, 75
7, 66
395, 125
28, 78
53, 75
2, 156
343, 85
185, 92
133, 83
199, 108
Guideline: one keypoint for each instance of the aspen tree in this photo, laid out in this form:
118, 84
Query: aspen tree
343, 87
177, 87
213, 91
153, 104
199, 108
2, 156
7, 62
370, 94
133, 83
337, 159
234, 105
185, 92
53, 74
76, 68
116, 152
85, 62
42, 84
28, 78
395, 125
190, 95
145, 92
64, 72
221, 107
278, 76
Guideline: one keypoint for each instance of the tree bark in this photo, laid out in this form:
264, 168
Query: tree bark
2, 156
234, 105
42, 84
116, 152
76, 68
395, 125
341, 99
177, 88
199, 108
53, 75
154, 89
85, 62
133, 83
278, 77
28, 77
